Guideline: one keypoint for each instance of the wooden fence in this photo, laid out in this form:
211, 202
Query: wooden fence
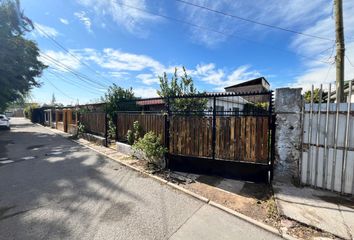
191, 135
148, 122
94, 122
236, 138
242, 139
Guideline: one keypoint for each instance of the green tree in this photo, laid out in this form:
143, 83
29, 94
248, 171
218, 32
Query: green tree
178, 87
53, 101
19, 64
117, 99
316, 96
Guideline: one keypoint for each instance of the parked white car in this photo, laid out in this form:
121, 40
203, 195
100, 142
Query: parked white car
4, 121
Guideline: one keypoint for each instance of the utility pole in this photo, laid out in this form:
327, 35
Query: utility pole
340, 50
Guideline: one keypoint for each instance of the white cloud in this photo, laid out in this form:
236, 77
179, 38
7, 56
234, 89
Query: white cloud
145, 92
84, 19
318, 72
148, 78
220, 79
131, 19
64, 21
42, 30
144, 70
117, 60
61, 59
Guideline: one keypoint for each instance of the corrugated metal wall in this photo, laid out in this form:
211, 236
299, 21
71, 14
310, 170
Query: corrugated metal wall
328, 146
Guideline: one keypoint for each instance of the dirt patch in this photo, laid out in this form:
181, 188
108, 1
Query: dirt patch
258, 205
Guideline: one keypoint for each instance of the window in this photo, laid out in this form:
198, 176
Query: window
219, 110
236, 110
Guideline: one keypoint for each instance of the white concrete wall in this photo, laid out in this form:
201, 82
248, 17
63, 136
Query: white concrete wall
288, 105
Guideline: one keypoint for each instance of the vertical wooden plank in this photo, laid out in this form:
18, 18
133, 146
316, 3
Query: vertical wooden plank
193, 140
217, 136
177, 133
249, 138
237, 139
232, 138
258, 138
201, 130
242, 138
228, 142
246, 140
265, 140
188, 143
254, 135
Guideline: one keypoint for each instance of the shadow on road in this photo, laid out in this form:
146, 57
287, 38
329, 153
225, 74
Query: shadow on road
39, 196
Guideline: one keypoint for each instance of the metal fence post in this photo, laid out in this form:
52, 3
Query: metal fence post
214, 128
272, 146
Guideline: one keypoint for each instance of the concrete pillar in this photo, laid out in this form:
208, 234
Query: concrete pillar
288, 106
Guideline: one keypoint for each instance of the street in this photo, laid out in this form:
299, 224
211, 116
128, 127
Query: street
54, 188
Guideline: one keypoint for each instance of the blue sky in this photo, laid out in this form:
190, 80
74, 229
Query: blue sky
129, 47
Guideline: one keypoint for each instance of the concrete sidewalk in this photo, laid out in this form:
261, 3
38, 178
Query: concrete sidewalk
317, 208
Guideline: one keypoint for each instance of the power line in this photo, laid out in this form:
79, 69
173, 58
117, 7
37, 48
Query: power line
349, 61
78, 74
60, 76
58, 88
329, 69
78, 59
217, 31
253, 21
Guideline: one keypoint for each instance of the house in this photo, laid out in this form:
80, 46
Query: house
49, 117
257, 85
346, 92
223, 103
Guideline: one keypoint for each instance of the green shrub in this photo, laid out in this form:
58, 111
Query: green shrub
80, 128
130, 137
137, 130
111, 129
134, 134
151, 146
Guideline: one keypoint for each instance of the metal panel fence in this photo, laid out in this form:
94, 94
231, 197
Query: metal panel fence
226, 127
328, 143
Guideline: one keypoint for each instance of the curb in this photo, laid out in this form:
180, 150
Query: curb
197, 196
192, 194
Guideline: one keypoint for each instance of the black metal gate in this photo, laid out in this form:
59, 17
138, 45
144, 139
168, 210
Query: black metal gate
229, 134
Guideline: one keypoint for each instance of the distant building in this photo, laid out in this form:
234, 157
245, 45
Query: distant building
346, 92
223, 103
255, 85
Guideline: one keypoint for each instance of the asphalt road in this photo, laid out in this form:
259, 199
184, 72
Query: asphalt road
53, 188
